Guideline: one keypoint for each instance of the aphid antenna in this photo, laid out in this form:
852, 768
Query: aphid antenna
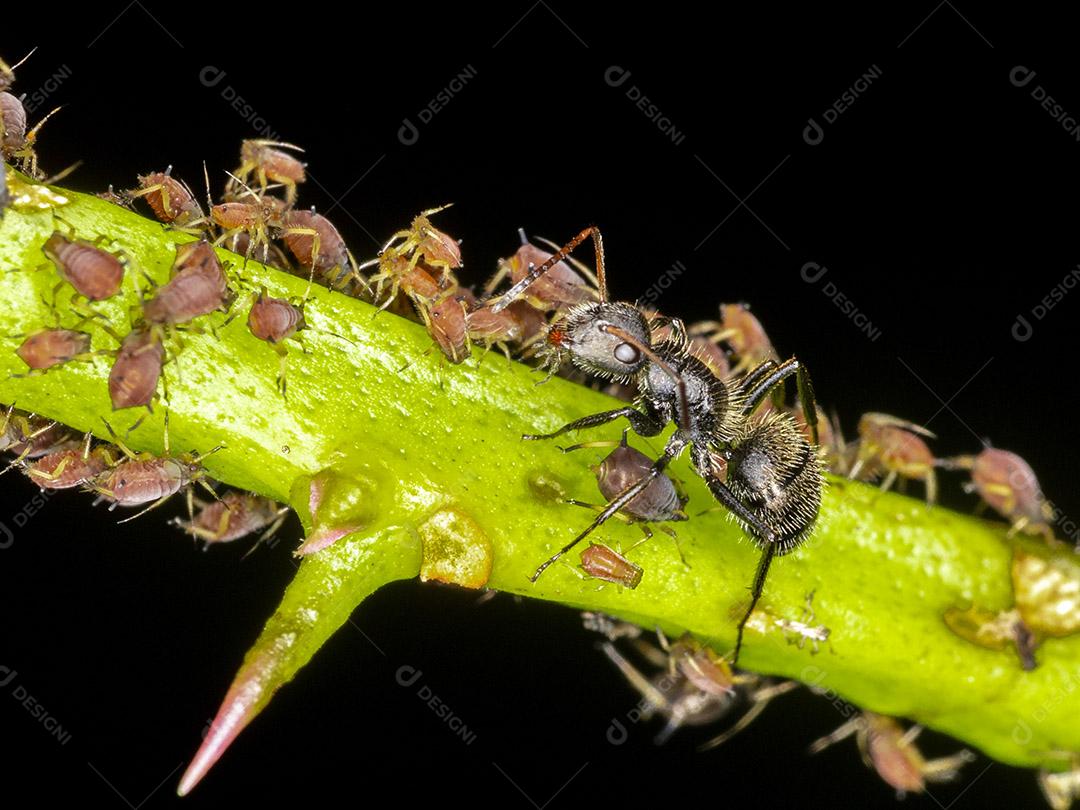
60, 175
515, 292
11, 70
760, 699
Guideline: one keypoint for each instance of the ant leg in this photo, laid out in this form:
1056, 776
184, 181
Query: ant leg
756, 590
642, 423
758, 385
675, 446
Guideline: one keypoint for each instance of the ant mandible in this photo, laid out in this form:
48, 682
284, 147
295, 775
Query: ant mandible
773, 479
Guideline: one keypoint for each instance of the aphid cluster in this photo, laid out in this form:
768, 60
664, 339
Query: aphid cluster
16, 142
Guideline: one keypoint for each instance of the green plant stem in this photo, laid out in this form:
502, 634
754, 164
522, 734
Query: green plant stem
425, 464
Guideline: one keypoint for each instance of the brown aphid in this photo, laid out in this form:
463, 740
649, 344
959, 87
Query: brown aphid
604, 563
198, 287
269, 164
415, 280
12, 124
891, 751
236, 515
892, 445
1008, 485
446, 323
71, 465
46, 348
560, 288
256, 216
422, 241
520, 325
29, 435
143, 478
319, 248
743, 332
95, 273
134, 376
275, 320
171, 200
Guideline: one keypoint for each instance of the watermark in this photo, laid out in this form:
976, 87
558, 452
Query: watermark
1021, 76
24, 515
34, 99
407, 676
211, 76
32, 705
813, 676
1022, 330
616, 76
666, 279
814, 133
408, 133
617, 732
812, 273
1022, 733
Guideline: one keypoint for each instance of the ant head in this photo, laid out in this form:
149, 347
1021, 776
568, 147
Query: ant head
606, 339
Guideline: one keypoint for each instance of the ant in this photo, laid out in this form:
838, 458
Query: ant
773, 476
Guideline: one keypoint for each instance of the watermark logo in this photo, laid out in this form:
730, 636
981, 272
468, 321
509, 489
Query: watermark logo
1021, 76
7, 537
813, 132
616, 76
1022, 329
408, 133
665, 280
812, 273
211, 76
408, 676
33, 706
33, 100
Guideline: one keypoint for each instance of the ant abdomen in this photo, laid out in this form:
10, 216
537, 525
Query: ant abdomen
773, 469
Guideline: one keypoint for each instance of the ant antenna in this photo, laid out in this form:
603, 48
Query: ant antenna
534, 273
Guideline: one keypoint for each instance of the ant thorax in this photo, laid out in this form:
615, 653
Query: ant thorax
712, 407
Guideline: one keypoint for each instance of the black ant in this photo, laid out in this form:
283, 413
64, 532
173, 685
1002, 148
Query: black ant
773, 478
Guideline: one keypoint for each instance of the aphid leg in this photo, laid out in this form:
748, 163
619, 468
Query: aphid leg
675, 446
889, 480
761, 699
642, 684
842, 733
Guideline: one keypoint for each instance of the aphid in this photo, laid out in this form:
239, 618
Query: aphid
145, 478
695, 687
319, 248
1062, 788
269, 164
47, 348
275, 320
134, 376
604, 563
891, 751
169, 198
560, 288
1008, 485
95, 273
796, 631
198, 286
892, 445
741, 330
29, 435
236, 515
446, 323
661, 501
122, 198
424, 242
70, 465
774, 477
258, 217
15, 142
519, 325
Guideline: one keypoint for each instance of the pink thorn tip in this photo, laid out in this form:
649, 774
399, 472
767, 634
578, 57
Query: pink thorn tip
241, 704
323, 538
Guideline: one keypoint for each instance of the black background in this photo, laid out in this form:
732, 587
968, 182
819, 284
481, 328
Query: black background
942, 202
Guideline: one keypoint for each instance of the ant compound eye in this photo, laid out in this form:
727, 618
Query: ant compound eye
627, 353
